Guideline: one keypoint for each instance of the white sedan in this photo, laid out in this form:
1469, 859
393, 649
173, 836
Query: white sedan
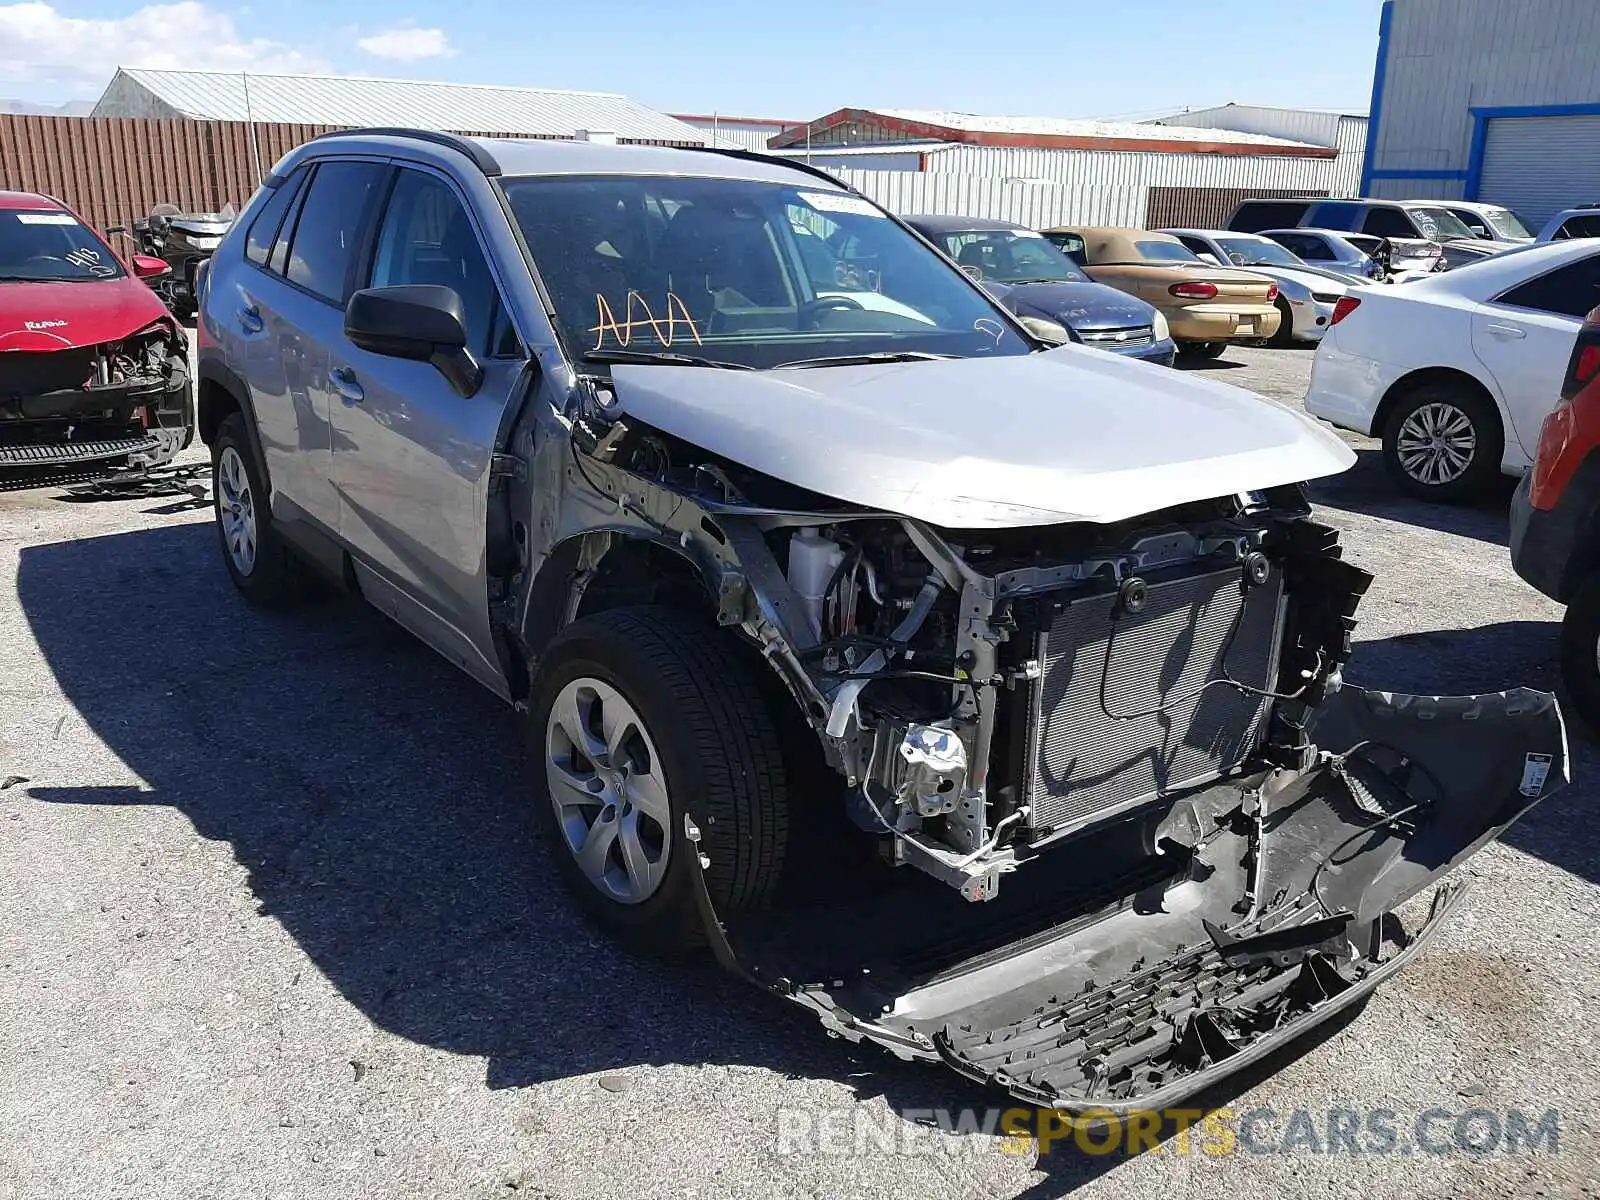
1456, 372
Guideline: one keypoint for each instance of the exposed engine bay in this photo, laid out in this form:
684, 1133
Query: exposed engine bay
126, 399
1116, 826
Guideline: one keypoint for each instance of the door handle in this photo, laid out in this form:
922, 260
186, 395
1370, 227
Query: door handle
1507, 331
250, 319
343, 381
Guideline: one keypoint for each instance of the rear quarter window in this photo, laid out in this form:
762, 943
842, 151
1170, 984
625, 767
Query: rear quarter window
264, 229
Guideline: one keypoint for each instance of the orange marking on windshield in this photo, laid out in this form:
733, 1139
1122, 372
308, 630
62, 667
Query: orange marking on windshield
606, 320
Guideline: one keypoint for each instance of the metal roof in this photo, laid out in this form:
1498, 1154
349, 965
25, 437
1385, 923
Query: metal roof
1072, 127
347, 100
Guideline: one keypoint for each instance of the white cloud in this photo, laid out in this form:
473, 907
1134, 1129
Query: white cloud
406, 43
42, 46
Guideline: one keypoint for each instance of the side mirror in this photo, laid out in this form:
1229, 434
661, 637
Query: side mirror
147, 267
111, 229
418, 321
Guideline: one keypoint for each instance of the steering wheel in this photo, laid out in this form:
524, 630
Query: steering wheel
813, 309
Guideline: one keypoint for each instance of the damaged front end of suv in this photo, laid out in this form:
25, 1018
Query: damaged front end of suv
1127, 828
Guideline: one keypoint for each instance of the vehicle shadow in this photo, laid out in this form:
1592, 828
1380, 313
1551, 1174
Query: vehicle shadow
1367, 489
1487, 659
372, 793
1206, 364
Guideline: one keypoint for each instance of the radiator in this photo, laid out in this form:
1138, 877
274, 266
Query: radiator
1086, 765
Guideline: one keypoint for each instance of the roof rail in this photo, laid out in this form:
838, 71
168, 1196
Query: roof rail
480, 157
757, 156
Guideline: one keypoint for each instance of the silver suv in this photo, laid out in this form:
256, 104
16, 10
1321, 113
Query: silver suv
836, 601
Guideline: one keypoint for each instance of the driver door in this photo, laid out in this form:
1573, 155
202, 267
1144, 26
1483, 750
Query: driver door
411, 457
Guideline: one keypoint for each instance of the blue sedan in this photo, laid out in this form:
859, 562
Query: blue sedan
1034, 279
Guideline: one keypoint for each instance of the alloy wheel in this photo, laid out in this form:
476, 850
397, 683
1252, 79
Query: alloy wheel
236, 510
1436, 443
609, 791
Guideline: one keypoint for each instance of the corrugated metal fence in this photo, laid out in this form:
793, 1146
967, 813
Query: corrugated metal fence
115, 169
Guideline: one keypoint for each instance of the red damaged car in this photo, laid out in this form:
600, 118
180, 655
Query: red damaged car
93, 366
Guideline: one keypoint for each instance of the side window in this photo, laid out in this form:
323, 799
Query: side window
426, 237
1200, 249
264, 229
328, 229
1071, 245
1252, 216
1389, 222
1475, 223
1569, 291
1312, 249
1334, 214
1580, 227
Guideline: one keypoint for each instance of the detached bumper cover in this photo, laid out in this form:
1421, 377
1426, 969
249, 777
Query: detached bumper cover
1283, 913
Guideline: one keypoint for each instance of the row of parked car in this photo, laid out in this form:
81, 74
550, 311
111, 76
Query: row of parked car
1151, 294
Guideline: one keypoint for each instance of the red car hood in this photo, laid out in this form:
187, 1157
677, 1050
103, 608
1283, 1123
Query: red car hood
56, 316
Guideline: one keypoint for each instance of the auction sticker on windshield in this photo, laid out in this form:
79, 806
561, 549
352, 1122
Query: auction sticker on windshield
839, 202
46, 219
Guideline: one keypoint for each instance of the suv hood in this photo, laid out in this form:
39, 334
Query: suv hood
1076, 305
61, 315
1070, 434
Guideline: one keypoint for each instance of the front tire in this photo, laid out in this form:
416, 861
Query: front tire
640, 718
1200, 351
1443, 443
1580, 652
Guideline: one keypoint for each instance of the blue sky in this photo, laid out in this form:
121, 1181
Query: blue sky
1098, 58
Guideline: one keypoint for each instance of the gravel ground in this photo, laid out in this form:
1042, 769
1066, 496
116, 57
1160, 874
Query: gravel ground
275, 923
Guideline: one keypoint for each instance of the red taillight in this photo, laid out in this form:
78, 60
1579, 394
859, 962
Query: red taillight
1587, 366
1194, 291
1584, 364
1343, 307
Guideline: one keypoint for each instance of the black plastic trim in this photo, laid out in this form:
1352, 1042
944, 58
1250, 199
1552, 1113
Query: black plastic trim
480, 157
1554, 549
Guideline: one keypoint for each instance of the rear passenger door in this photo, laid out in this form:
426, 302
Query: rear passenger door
290, 314
1525, 338
412, 457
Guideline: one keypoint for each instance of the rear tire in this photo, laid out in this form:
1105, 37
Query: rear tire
1580, 652
707, 748
1285, 337
1200, 351
258, 560
1443, 441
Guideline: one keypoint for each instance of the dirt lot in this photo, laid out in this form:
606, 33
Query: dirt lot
273, 922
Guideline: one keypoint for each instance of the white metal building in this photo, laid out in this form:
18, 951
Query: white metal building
1343, 129
1045, 171
742, 133
1484, 100
344, 100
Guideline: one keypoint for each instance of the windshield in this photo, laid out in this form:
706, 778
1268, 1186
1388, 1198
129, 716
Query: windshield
1165, 252
744, 273
1506, 224
1010, 256
50, 245
1254, 252
1439, 223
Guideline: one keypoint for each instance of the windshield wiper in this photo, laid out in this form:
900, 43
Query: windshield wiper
669, 357
876, 356
1045, 280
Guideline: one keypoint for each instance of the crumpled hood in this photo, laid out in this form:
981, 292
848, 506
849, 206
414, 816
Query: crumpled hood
1065, 435
57, 316
1077, 305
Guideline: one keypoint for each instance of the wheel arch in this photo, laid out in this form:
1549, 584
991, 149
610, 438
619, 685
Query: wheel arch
602, 569
1408, 384
219, 392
